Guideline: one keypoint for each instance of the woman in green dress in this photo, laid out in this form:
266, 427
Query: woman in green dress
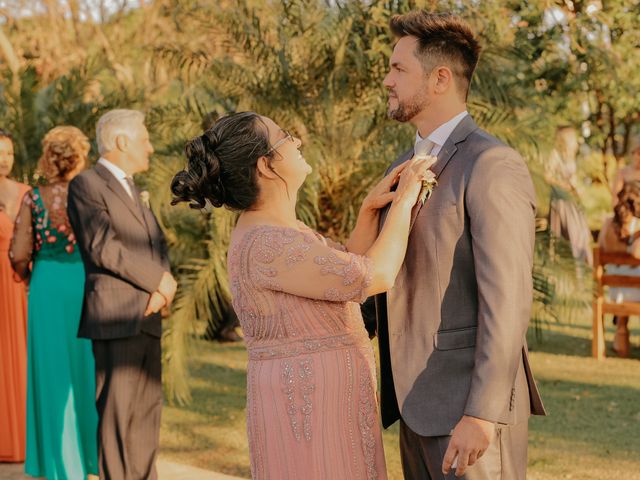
61, 414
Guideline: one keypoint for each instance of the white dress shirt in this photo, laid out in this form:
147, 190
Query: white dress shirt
118, 173
440, 135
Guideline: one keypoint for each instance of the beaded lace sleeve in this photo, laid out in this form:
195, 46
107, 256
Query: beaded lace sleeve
298, 263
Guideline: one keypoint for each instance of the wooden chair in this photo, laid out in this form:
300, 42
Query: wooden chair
602, 305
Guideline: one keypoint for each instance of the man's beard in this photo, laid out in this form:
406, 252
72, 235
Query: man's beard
408, 109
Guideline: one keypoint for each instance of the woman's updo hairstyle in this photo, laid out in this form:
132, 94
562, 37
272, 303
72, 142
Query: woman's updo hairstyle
63, 149
222, 164
628, 206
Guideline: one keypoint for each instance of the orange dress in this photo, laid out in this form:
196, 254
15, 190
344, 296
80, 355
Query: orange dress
13, 350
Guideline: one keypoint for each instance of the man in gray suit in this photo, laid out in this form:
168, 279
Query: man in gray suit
452, 330
128, 282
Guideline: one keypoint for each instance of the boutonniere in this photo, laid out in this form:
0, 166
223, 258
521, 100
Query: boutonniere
144, 198
429, 182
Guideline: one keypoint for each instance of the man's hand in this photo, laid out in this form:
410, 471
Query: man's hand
469, 441
168, 287
156, 302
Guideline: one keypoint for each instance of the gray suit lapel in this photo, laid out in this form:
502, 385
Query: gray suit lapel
459, 135
114, 185
450, 147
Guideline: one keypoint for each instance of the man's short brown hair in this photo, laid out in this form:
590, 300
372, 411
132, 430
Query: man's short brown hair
443, 38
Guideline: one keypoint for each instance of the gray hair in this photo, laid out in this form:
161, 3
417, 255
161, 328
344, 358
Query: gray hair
114, 123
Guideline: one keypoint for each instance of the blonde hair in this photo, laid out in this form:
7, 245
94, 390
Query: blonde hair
63, 148
112, 124
567, 143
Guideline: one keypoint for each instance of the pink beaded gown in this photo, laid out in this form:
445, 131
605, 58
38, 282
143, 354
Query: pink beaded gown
312, 411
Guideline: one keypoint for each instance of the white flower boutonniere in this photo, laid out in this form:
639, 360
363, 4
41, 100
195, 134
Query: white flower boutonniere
430, 182
144, 198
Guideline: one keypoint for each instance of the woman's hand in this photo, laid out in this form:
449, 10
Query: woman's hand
411, 177
381, 195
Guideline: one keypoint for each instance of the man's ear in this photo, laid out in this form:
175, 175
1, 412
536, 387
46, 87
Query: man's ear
264, 170
122, 143
443, 79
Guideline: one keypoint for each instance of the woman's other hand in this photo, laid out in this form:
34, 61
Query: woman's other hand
381, 195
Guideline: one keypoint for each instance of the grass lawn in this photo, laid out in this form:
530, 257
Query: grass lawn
592, 431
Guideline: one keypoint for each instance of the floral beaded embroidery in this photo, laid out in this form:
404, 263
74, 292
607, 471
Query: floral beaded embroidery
289, 389
354, 270
297, 253
271, 244
349, 270
298, 347
307, 387
367, 419
51, 225
350, 409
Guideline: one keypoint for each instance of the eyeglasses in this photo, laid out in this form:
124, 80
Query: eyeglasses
288, 138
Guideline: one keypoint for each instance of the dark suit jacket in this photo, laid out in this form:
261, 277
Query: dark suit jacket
124, 254
452, 329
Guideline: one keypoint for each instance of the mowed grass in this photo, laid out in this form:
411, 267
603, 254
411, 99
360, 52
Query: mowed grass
592, 431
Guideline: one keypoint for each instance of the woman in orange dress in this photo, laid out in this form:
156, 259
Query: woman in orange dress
13, 318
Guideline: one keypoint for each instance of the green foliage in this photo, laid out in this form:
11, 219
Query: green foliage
562, 286
36, 108
316, 68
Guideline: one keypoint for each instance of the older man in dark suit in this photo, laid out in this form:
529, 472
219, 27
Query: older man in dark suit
128, 282
452, 330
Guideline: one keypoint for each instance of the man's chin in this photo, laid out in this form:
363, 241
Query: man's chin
397, 115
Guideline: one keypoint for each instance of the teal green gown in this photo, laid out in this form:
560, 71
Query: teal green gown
61, 414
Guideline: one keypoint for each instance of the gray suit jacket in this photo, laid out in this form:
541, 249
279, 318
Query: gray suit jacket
452, 329
124, 254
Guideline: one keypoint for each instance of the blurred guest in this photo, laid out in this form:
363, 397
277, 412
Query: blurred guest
61, 415
629, 173
128, 283
13, 318
622, 234
566, 219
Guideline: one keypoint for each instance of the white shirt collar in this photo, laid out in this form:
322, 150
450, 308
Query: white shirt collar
440, 135
115, 170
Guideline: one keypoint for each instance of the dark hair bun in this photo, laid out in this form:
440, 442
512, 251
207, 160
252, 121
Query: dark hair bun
201, 180
221, 164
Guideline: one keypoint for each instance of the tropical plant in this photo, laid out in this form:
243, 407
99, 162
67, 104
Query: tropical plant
315, 67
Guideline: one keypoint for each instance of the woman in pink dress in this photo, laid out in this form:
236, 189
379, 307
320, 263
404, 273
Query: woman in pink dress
312, 411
